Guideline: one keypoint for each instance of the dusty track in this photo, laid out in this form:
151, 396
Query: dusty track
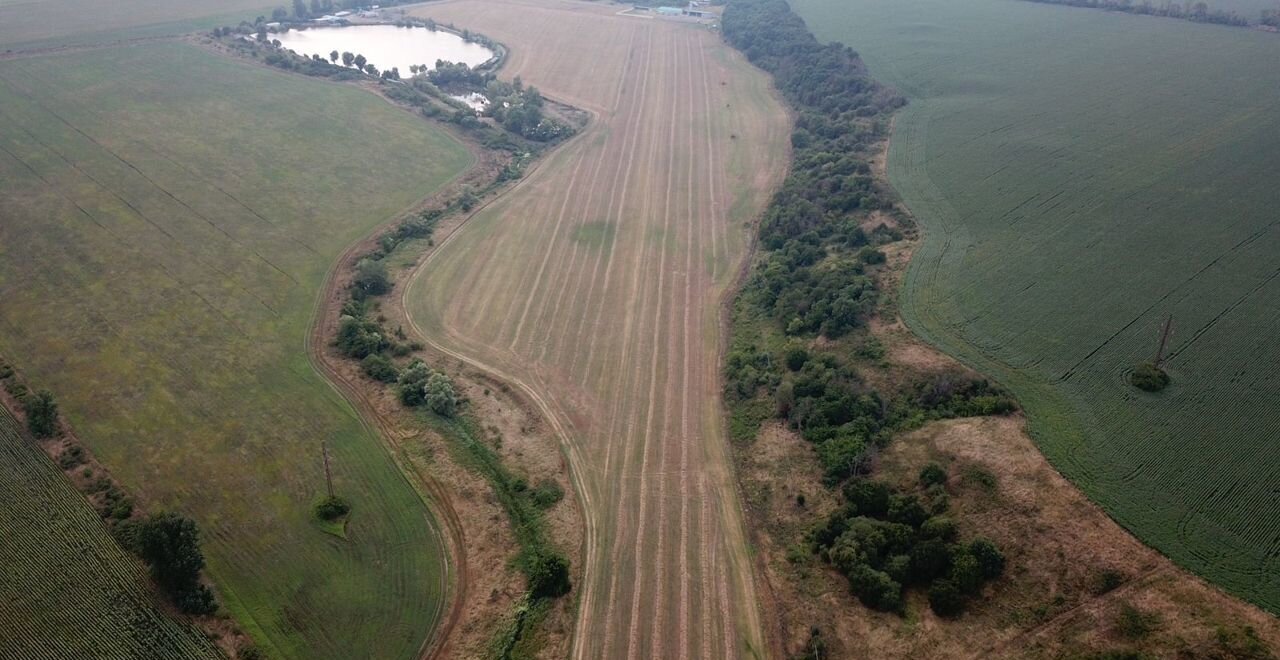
594, 286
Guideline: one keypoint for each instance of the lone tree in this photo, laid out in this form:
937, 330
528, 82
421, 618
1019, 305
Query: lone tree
1148, 377
348, 58
333, 56
360, 60
42, 414
170, 544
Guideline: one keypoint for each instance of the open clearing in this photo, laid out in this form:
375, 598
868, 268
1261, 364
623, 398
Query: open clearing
595, 286
67, 590
1075, 188
169, 216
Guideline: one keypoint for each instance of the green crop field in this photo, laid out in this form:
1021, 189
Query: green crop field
49, 23
1080, 175
168, 218
67, 590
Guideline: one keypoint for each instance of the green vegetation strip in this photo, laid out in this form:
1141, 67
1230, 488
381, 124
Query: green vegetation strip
170, 215
1076, 188
67, 589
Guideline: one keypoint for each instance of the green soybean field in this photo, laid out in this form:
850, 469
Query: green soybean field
1080, 177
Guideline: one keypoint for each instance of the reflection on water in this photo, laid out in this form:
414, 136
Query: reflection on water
385, 46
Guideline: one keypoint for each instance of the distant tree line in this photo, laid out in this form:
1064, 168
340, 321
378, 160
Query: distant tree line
1199, 12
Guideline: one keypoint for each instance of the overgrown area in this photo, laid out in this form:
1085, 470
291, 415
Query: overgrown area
801, 352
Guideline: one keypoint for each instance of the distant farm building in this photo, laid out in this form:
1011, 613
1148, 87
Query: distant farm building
670, 11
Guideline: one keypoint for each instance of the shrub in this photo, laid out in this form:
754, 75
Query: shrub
870, 255
548, 574
371, 278
71, 456
795, 358
945, 598
965, 572
1148, 377
867, 497
932, 474
1107, 580
42, 414
413, 383
906, 509
841, 456
990, 559
440, 396
359, 338
546, 494
1133, 623
380, 368
929, 559
332, 508
875, 589
939, 527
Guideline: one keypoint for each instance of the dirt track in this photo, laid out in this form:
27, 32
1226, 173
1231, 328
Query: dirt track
594, 286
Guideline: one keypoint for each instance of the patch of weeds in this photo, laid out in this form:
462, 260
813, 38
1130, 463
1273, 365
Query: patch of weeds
1106, 581
980, 477
1133, 623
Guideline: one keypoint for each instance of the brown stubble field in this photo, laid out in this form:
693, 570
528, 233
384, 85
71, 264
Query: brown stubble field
595, 286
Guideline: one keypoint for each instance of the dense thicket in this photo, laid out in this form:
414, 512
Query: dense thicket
885, 541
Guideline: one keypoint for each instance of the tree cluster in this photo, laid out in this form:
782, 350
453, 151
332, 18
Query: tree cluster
170, 545
828, 402
885, 542
420, 385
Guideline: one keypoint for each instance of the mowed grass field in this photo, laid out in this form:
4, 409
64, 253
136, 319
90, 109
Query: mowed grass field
50, 23
169, 216
67, 589
1080, 176
595, 285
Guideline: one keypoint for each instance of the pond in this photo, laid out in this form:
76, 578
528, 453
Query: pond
386, 46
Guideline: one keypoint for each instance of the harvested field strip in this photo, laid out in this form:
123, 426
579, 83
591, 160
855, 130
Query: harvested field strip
1075, 191
67, 589
619, 335
169, 218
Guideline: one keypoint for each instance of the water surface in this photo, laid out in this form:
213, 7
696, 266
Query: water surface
386, 46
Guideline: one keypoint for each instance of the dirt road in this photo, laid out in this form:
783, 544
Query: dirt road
595, 286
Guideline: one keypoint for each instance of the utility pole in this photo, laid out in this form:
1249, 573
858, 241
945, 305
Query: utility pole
1164, 340
328, 476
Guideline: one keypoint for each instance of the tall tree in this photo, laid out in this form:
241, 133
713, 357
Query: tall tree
348, 58
299, 9
42, 414
333, 56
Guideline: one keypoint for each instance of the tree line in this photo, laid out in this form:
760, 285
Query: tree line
800, 327
1199, 12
